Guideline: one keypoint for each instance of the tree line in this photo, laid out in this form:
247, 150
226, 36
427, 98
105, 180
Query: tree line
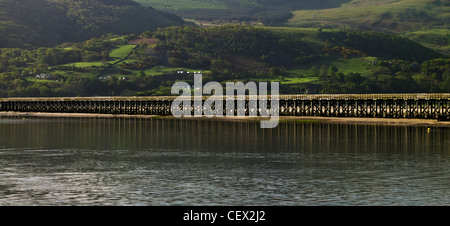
227, 53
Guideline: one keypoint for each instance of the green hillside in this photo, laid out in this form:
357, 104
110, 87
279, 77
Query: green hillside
49, 22
382, 15
424, 21
265, 11
433, 38
301, 59
119, 47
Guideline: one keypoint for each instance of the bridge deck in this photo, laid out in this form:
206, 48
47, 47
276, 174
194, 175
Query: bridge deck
419, 106
407, 96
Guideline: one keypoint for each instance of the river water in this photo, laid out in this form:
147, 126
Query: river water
92, 161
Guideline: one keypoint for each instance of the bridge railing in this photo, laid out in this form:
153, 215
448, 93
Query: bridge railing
403, 96
340, 105
410, 96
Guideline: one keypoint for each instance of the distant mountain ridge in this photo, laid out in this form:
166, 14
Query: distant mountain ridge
265, 11
424, 21
32, 23
390, 15
381, 15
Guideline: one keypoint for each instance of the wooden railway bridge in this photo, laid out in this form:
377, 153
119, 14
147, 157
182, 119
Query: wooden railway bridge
414, 106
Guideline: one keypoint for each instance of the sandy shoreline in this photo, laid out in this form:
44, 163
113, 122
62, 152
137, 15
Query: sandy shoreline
385, 121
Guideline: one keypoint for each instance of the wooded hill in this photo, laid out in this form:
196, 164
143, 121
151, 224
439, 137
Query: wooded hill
36, 23
54, 57
380, 15
302, 60
386, 15
268, 12
424, 21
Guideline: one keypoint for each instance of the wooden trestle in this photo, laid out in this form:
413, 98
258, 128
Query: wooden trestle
415, 106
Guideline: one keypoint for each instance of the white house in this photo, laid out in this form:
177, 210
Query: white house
44, 76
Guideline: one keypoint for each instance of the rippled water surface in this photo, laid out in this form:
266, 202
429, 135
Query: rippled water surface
199, 162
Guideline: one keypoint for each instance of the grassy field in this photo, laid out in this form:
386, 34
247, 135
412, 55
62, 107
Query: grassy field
85, 64
438, 39
176, 5
183, 4
356, 65
120, 53
161, 70
35, 80
423, 21
289, 81
308, 35
345, 65
400, 15
116, 55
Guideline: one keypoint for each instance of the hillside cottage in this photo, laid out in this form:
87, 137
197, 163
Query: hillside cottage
44, 76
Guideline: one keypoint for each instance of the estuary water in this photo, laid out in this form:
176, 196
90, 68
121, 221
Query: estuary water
168, 162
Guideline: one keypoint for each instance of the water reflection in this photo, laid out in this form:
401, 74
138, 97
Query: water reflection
122, 161
219, 136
